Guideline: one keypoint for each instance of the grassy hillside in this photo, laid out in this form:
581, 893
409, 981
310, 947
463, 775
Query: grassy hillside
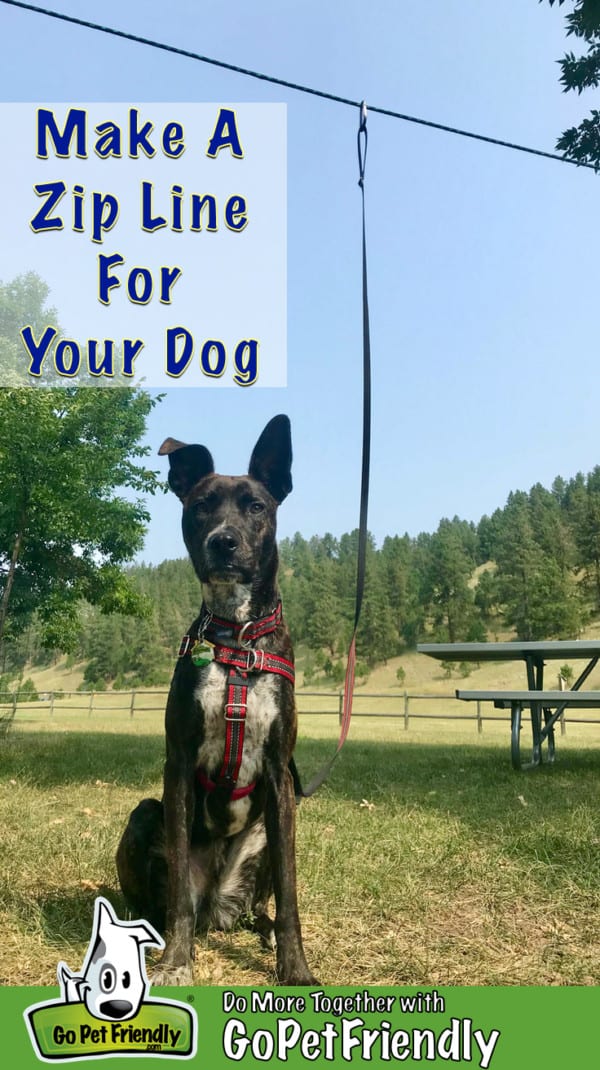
423, 674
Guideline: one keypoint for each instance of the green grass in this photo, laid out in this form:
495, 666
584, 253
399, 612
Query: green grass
424, 859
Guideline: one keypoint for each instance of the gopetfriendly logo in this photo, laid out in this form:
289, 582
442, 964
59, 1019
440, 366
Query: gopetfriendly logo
105, 1010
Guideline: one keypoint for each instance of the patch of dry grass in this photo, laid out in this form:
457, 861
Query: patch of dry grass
424, 860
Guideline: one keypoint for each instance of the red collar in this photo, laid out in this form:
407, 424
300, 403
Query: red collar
217, 632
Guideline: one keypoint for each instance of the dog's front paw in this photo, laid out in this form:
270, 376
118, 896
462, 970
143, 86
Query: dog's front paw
299, 980
166, 975
296, 977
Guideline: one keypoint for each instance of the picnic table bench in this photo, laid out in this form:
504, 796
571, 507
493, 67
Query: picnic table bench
542, 703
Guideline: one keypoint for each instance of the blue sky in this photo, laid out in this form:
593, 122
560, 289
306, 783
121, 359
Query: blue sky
482, 261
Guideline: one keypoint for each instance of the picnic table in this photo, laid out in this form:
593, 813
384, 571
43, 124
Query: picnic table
543, 704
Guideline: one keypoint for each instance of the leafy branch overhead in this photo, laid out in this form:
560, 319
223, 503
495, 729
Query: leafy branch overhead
582, 143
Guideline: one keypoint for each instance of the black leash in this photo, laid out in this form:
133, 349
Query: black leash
323, 773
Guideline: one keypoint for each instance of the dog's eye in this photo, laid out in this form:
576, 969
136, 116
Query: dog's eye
126, 979
256, 507
108, 978
202, 507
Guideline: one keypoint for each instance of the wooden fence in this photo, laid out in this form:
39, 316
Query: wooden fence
399, 705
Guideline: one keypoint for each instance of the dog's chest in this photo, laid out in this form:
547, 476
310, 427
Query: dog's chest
262, 709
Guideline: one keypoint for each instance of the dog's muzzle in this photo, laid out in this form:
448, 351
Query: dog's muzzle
222, 550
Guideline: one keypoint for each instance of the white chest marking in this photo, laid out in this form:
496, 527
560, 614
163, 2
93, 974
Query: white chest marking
262, 711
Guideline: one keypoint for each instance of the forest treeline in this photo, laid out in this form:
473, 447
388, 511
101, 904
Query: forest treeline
533, 568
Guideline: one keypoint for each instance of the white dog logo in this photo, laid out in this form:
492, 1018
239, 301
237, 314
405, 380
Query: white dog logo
113, 981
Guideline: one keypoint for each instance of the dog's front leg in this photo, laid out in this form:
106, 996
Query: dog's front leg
175, 967
280, 820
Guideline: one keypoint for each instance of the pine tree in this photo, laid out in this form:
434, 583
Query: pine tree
450, 568
538, 592
583, 505
323, 621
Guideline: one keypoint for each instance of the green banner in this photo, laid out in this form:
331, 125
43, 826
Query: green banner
62, 1031
502, 1028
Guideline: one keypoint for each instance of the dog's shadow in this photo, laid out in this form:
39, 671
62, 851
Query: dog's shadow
244, 956
71, 911
46, 761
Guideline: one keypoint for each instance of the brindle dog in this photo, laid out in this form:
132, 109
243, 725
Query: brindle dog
211, 853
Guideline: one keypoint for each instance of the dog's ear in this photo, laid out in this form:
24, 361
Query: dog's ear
187, 465
271, 460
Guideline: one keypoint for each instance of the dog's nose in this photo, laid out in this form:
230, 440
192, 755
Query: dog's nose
116, 1008
223, 543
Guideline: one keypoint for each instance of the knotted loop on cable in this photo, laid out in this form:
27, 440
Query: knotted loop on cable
362, 139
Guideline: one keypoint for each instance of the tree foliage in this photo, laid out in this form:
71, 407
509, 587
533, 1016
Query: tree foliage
582, 143
68, 457
531, 569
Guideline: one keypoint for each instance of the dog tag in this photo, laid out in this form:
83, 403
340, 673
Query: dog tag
201, 653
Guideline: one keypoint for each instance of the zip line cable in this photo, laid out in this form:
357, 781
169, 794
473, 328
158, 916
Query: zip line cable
247, 72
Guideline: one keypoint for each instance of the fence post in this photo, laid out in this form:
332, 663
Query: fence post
91, 704
406, 711
479, 718
14, 709
132, 703
340, 706
52, 703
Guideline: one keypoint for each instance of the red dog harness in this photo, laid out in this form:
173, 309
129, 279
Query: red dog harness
242, 661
